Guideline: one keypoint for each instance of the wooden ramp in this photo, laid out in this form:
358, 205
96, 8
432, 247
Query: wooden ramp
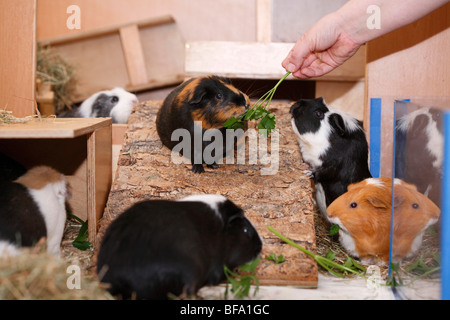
283, 200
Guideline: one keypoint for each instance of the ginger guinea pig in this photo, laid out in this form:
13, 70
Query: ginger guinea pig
33, 207
413, 214
209, 101
159, 247
333, 144
364, 217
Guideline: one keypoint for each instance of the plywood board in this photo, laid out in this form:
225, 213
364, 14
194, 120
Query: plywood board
18, 56
257, 60
78, 148
283, 200
142, 55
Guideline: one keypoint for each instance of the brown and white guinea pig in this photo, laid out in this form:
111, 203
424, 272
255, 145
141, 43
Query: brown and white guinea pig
31, 208
364, 217
334, 146
116, 103
419, 151
211, 100
159, 247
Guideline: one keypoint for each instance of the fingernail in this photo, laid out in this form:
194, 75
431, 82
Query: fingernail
291, 67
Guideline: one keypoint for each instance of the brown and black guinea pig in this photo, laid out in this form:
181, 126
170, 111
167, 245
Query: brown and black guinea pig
363, 214
211, 100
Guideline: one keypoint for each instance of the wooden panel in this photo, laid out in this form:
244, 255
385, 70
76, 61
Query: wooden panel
227, 20
118, 56
409, 63
347, 96
99, 176
257, 60
18, 56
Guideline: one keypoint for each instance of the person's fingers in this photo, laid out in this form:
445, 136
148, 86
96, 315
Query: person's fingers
297, 55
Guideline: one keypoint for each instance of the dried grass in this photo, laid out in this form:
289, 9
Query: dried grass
37, 275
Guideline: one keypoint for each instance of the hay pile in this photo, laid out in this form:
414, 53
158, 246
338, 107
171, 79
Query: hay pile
40, 276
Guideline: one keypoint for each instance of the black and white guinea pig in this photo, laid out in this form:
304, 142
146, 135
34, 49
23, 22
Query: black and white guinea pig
419, 151
116, 103
31, 208
211, 100
160, 247
333, 144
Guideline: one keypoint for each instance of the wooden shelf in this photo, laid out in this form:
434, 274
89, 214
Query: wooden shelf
81, 149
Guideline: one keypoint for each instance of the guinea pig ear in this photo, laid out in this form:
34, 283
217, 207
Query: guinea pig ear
337, 123
198, 95
378, 202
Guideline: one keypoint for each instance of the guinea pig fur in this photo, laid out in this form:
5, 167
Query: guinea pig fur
334, 146
33, 207
158, 247
211, 100
364, 217
116, 103
419, 149
413, 214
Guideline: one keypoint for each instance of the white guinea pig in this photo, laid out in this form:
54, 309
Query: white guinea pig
116, 103
159, 247
31, 208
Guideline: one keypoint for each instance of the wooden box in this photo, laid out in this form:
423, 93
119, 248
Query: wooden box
78, 148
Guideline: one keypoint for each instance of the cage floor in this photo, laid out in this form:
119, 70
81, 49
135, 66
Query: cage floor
282, 200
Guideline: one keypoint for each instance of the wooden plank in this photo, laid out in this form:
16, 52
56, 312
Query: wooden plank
257, 60
263, 20
99, 176
134, 56
52, 128
18, 56
283, 200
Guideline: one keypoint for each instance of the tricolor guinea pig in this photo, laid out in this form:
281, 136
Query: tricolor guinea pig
116, 103
31, 208
200, 104
334, 146
161, 247
364, 217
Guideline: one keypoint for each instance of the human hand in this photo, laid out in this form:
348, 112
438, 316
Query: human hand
321, 49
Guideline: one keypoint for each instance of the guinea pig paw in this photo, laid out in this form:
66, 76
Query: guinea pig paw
198, 168
308, 173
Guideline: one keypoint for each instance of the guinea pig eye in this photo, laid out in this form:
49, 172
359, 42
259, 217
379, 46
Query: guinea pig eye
115, 99
353, 205
219, 96
415, 205
319, 114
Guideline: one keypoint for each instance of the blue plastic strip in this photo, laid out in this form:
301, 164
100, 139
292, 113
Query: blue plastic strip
375, 136
445, 213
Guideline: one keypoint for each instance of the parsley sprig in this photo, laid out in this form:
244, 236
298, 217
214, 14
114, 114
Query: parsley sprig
260, 110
